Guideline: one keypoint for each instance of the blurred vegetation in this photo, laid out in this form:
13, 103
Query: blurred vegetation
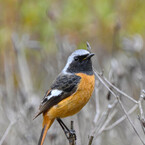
36, 37
79, 21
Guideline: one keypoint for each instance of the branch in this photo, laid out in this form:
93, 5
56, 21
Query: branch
103, 119
97, 103
72, 137
131, 123
122, 118
107, 122
119, 91
7, 132
102, 79
142, 117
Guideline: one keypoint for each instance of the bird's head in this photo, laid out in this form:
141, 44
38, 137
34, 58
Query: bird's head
79, 62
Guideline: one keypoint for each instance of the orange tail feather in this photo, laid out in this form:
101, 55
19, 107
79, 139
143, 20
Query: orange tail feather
46, 125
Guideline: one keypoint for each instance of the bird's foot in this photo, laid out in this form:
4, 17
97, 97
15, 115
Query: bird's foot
71, 134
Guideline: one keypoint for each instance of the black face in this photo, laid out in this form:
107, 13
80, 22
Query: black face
82, 64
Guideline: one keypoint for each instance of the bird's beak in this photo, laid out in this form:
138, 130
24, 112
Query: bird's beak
90, 55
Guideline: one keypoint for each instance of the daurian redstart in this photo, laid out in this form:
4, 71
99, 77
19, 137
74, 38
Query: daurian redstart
69, 92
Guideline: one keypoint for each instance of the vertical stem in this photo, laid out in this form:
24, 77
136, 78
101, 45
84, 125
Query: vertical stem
91, 140
72, 137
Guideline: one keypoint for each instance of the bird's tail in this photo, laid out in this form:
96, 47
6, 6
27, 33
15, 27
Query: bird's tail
47, 122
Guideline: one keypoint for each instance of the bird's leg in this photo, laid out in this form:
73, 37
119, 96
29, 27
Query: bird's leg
68, 133
64, 127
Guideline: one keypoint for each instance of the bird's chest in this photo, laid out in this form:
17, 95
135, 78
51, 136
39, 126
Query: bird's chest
85, 88
73, 104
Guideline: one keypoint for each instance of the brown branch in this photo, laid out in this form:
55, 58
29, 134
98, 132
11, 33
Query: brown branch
72, 137
91, 140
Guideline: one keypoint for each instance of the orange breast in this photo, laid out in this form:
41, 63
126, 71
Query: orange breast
73, 104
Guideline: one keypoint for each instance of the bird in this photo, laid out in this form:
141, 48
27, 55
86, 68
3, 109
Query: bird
69, 92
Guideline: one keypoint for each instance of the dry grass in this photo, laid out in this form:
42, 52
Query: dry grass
28, 73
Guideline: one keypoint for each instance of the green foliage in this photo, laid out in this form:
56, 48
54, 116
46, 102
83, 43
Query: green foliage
84, 19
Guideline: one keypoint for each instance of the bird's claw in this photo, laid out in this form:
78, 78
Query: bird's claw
70, 134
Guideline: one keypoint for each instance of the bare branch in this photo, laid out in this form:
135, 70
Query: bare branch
7, 132
88, 46
97, 103
121, 92
91, 140
141, 117
101, 78
122, 118
130, 121
107, 122
72, 137
104, 117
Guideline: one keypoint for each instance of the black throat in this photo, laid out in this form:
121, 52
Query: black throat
81, 67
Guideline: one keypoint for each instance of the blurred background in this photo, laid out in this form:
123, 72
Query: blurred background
36, 37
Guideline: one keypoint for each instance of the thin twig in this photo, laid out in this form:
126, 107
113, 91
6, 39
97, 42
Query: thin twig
88, 46
114, 87
142, 96
102, 79
141, 117
104, 116
107, 122
141, 110
103, 119
97, 103
130, 121
122, 118
121, 92
7, 132
91, 140
72, 137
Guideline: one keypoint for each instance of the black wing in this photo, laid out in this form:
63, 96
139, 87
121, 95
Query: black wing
66, 85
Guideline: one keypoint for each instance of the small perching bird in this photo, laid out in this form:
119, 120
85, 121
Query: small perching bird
70, 91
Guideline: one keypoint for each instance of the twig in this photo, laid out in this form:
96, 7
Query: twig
106, 113
88, 46
142, 96
117, 97
141, 117
130, 121
118, 90
101, 80
97, 103
72, 137
141, 110
107, 122
110, 84
91, 140
103, 118
6, 132
121, 119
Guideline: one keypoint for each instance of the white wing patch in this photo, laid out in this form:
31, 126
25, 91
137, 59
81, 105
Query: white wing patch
54, 93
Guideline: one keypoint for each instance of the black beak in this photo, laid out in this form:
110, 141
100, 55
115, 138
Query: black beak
90, 55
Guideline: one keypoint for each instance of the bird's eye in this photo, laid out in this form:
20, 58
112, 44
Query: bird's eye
76, 58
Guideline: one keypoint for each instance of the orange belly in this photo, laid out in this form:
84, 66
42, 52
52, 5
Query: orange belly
73, 104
